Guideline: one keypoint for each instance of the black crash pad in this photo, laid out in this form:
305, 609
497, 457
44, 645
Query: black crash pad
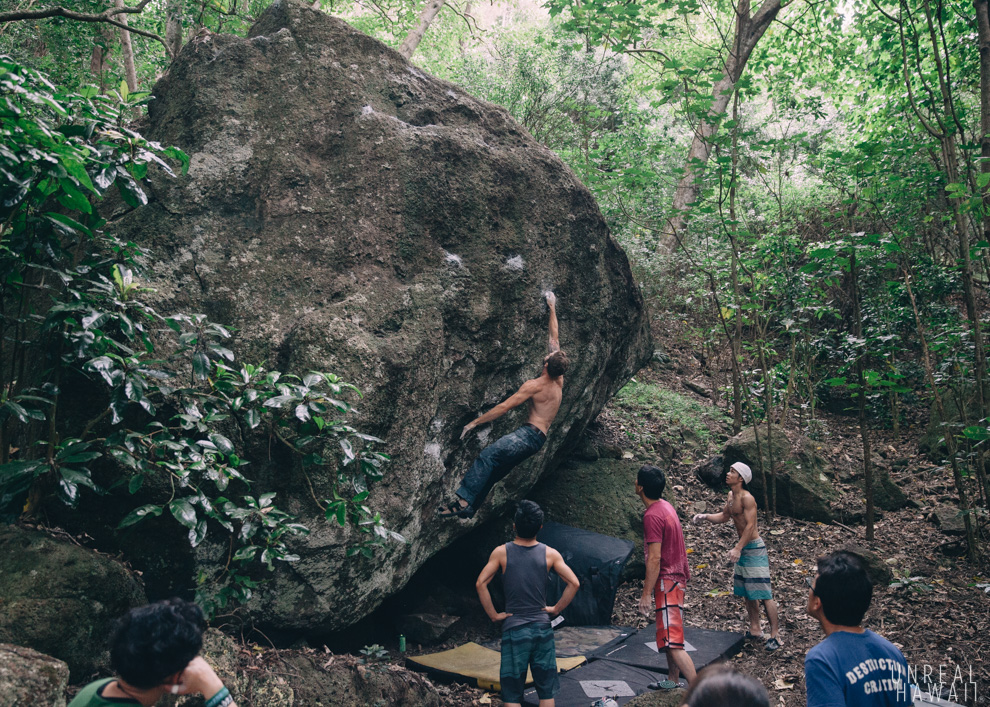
597, 560
640, 649
582, 686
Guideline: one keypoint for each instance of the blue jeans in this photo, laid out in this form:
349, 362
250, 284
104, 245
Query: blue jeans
497, 460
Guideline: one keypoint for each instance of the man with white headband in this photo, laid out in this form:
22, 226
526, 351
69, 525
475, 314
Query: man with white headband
751, 580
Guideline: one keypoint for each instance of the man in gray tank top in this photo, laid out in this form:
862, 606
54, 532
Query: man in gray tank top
527, 637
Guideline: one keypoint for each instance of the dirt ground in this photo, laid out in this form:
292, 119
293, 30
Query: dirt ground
940, 619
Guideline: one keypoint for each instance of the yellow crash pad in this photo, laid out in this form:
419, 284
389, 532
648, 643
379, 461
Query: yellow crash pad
477, 662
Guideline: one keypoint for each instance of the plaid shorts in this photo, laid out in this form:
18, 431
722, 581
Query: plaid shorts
669, 598
528, 646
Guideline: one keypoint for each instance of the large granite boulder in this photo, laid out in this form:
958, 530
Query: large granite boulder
347, 212
803, 489
61, 599
31, 679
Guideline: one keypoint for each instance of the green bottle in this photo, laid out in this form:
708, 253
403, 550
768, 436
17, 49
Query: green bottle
402, 643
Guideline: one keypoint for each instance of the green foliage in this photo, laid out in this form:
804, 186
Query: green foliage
100, 391
638, 403
374, 653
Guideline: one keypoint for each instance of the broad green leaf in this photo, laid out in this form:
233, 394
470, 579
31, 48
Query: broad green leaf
184, 512
224, 445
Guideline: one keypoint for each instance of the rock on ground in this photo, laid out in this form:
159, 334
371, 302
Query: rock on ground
803, 489
31, 679
314, 679
347, 212
61, 599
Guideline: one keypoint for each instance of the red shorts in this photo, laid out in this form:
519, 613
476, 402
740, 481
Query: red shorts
669, 598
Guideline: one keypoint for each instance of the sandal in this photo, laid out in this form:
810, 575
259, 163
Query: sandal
773, 644
664, 685
455, 510
753, 637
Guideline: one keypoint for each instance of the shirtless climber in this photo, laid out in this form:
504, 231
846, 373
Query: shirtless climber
498, 459
751, 580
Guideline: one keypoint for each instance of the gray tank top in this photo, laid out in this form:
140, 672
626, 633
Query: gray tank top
525, 582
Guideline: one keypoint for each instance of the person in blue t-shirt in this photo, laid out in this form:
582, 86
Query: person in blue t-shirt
852, 667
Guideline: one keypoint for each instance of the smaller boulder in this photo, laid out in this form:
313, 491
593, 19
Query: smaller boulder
711, 473
803, 486
886, 494
879, 571
31, 679
61, 599
948, 520
697, 387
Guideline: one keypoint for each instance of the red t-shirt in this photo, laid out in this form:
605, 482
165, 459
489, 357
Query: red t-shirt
661, 525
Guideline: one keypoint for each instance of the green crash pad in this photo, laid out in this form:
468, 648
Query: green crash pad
474, 663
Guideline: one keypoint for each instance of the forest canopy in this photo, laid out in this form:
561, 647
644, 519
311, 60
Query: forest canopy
805, 183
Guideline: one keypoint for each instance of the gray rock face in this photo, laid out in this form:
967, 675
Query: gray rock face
600, 496
61, 599
347, 212
31, 679
803, 489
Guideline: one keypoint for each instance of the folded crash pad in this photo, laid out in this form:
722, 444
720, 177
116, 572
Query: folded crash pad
640, 649
597, 560
600, 678
473, 663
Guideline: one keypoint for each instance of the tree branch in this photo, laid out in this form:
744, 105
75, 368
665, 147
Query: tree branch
106, 16
46, 12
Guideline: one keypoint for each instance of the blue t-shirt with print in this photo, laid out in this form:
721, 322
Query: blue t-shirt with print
856, 670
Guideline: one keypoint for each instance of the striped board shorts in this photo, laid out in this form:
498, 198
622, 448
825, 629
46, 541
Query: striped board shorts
752, 574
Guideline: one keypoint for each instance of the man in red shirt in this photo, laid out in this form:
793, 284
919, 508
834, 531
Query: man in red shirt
667, 574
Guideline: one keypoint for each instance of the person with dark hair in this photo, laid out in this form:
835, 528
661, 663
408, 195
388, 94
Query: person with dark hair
527, 637
667, 574
154, 650
852, 667
751, 578
721, 685
496, 460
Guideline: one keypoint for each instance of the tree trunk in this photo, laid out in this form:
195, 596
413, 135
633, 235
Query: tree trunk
130, 74
861, 381
736, 339
426, 17
983, 32
173, 27
749, 30
969, 522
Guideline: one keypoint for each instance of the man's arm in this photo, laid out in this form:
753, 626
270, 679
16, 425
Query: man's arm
558, 565
526, 391
554, 333
749, 531
720, 517
646, 604
198, 678
485, 578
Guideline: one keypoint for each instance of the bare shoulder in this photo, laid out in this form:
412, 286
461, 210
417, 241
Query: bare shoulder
747, 500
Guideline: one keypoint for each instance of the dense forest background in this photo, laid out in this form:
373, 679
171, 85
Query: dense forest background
802, 189
805, 183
